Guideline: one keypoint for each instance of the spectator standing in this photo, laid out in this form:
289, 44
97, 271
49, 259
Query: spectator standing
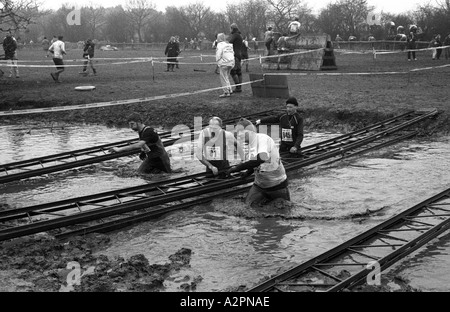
214, 46
244, 53
45, 44
255, 44
172, 51
236, 41
58, 49
282, 47
411, 42
10, 48
294, 27
177, 39
436, 43
225, 59
338, 39
447, 49
268, 38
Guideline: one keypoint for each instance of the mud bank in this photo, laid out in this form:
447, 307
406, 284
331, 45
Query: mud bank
40, 263
176, 113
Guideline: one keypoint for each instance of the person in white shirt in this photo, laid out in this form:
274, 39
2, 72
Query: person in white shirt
264, 160
225, 61
58, 50
216, 146
294, 27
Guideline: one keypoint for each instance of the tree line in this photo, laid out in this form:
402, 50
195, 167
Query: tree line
140, 21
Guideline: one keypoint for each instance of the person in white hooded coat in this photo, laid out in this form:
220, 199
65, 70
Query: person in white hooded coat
225, 61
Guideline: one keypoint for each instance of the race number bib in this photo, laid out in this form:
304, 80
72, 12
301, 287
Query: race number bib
213, 153
286, 135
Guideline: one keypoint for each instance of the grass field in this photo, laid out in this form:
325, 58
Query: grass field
325, 100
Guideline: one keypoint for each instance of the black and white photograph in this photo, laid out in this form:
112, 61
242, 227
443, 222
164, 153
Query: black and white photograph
225, 154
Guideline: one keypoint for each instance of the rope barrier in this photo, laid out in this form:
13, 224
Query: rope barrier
410, 50
112, 103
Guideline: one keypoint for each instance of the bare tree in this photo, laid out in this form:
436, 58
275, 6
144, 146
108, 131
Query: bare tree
280, 12
117, 28
197, 16
354, 14
17, 14
95, 19
250, 16
345, 17
140, 12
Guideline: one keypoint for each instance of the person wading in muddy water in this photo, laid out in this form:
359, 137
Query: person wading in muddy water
154, 155
214, 147
264, 160
291, 127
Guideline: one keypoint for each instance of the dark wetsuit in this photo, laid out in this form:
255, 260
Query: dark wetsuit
291, 130
157, 159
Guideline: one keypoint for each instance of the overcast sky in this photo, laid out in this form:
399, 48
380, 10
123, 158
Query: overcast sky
391, 6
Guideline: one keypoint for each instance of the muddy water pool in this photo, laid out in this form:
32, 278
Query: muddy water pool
231, 244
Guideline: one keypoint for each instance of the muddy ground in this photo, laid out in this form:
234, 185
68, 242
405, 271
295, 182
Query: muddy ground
40, 263
342, 103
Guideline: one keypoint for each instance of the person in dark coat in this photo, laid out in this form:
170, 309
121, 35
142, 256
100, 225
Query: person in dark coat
291, 127
237, 42
447, 44
88, 54
10, 48
172, 51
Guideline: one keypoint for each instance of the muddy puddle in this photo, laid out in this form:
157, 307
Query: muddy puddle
233, 247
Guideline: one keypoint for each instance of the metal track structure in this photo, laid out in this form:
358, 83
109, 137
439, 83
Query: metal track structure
156, 198
362, 259
87, 156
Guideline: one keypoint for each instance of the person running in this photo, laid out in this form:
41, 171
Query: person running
88, 54
10, 48
294, 27
214, 147
172, 51
236, 71
225, 58
58, 50
153, 154
291, 127
264, 160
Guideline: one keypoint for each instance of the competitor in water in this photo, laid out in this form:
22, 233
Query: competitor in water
291, 127
264, 160
154, 155
214, 147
